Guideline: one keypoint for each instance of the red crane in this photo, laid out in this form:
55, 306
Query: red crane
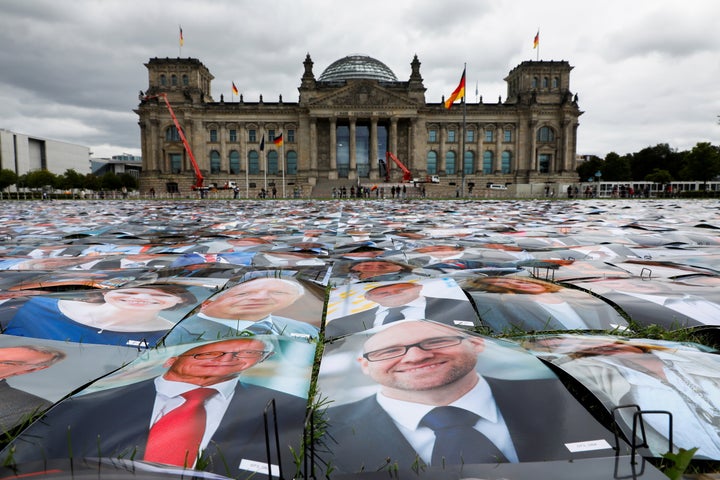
407, 176
199, 179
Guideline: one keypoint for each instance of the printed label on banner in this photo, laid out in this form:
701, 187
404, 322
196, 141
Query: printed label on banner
588, 445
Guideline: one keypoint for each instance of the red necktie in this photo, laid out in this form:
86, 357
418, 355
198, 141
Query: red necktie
175, 438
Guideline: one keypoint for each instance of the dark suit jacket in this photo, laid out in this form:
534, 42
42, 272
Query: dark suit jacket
540, 414
521, 312
17, 406
649, 313
120, 417
442, 310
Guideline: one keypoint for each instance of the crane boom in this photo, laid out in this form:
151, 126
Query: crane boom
407, 176
199, 179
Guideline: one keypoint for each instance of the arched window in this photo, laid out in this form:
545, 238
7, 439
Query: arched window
506, 161
291, 163
469, 163
234, 162
432, 163
272, 163
173, 80
545, 134
450, 163
487, 162
555, 82
171, 134
214, 161
185, 80
163, 80
253, 163
535, 82
545, 82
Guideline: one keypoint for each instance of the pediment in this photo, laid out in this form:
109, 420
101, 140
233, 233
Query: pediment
363, 95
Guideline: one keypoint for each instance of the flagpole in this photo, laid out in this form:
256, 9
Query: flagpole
462, 140
284, 164
265, 170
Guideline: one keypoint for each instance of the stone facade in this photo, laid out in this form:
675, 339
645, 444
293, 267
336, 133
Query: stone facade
344, 122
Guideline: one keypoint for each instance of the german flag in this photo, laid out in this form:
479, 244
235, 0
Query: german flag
182, 40
278, 141
536, 40
458, 93
234, 89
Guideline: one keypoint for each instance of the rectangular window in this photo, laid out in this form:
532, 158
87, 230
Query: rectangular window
213, 135
432, 136
290, 136
507, 135
175, 163
271, 135
451, 136
233, 135
252, 136
470, 136
544, 163
488, 135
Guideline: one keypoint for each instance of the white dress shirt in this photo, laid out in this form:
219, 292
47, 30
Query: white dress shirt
479, 400
414, 310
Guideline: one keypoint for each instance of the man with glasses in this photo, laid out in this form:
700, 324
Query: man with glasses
197, 413
246, 308
17, 405
434, 408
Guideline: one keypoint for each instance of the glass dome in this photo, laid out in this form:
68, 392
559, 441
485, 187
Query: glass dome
357, 66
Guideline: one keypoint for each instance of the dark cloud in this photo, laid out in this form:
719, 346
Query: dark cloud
72, 70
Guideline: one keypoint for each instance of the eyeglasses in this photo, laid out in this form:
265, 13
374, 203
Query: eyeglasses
400, 350
240, 354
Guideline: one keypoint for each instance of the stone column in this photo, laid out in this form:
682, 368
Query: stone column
313, 145
224, 160
374, 169
352, 174
499, 131
333, 173
393, 142
442, 131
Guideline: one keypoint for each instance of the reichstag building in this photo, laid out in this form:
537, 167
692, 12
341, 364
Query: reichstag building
344, 122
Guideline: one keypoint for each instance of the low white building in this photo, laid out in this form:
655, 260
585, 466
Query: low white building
25, 153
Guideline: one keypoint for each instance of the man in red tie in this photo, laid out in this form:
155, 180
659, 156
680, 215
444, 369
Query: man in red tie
197, 412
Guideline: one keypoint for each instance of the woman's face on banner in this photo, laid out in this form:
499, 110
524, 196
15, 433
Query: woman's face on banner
141, 299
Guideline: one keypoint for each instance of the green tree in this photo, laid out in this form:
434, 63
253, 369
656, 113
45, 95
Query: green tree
659, 176
701, 163
38, 179
92, 182
128, 181
7, 178
661, 157
587, 169
110, 181
616, 168
73, 179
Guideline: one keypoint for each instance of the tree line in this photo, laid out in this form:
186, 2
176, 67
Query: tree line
660, 164
38, 180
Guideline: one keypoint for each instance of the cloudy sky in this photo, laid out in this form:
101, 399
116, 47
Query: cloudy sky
646, 71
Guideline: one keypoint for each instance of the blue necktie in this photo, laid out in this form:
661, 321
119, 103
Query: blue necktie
456, 441
394, 314
260, 328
